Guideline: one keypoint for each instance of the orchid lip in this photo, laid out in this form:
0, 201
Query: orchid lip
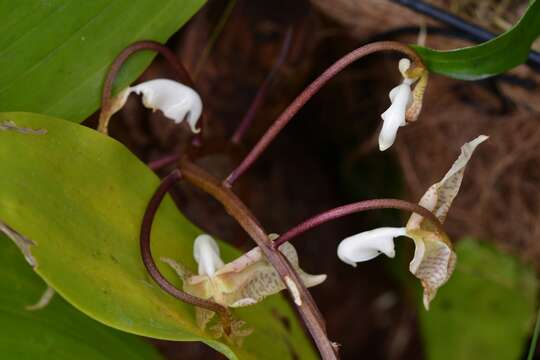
369, 244
401, 99
175, 100
394, 116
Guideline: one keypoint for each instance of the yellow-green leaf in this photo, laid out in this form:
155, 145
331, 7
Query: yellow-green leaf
58, 331
79, 196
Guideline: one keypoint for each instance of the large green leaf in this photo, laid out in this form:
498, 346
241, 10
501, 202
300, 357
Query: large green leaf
54, 54
58, 331
80, 197
486, 310
490, 58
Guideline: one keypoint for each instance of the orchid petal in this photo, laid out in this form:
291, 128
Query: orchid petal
251, 278
404, 64
206, 254
434, 261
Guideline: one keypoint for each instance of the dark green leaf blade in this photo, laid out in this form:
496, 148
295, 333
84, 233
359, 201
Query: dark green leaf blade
54, 54
493, 57
80, 196
485, 311
57, 331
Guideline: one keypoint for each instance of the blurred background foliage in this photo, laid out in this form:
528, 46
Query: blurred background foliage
486, 310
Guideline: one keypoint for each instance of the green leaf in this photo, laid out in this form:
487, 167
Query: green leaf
485, 311
493, 57
55, 53
80, 197
534, 340
57, 331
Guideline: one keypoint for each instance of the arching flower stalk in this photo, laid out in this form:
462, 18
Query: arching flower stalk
411, 103
434, 259
226, 283
176, 100
243, 282
152, 268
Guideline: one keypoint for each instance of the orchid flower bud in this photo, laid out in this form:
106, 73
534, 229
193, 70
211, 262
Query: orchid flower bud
369, 244
206, 254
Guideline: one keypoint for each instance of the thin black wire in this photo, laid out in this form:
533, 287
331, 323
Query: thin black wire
473, 31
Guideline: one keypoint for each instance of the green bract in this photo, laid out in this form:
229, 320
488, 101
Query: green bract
79, 196
490, 58
55, 53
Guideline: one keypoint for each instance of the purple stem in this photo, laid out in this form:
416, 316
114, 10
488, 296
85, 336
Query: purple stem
246, 122
345, 210
311, 90
237, 209
148, 260
179, 69
164, 161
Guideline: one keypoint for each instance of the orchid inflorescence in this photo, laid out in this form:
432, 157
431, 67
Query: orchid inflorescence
273, 264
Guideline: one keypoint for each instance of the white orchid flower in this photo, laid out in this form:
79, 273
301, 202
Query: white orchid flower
405, 105
434, 258
243, 282
175, 100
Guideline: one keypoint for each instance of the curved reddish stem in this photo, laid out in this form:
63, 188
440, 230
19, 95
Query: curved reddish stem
345, 210
237, 209
311, 90
164, 161
261, 94
150, 264
179, 69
